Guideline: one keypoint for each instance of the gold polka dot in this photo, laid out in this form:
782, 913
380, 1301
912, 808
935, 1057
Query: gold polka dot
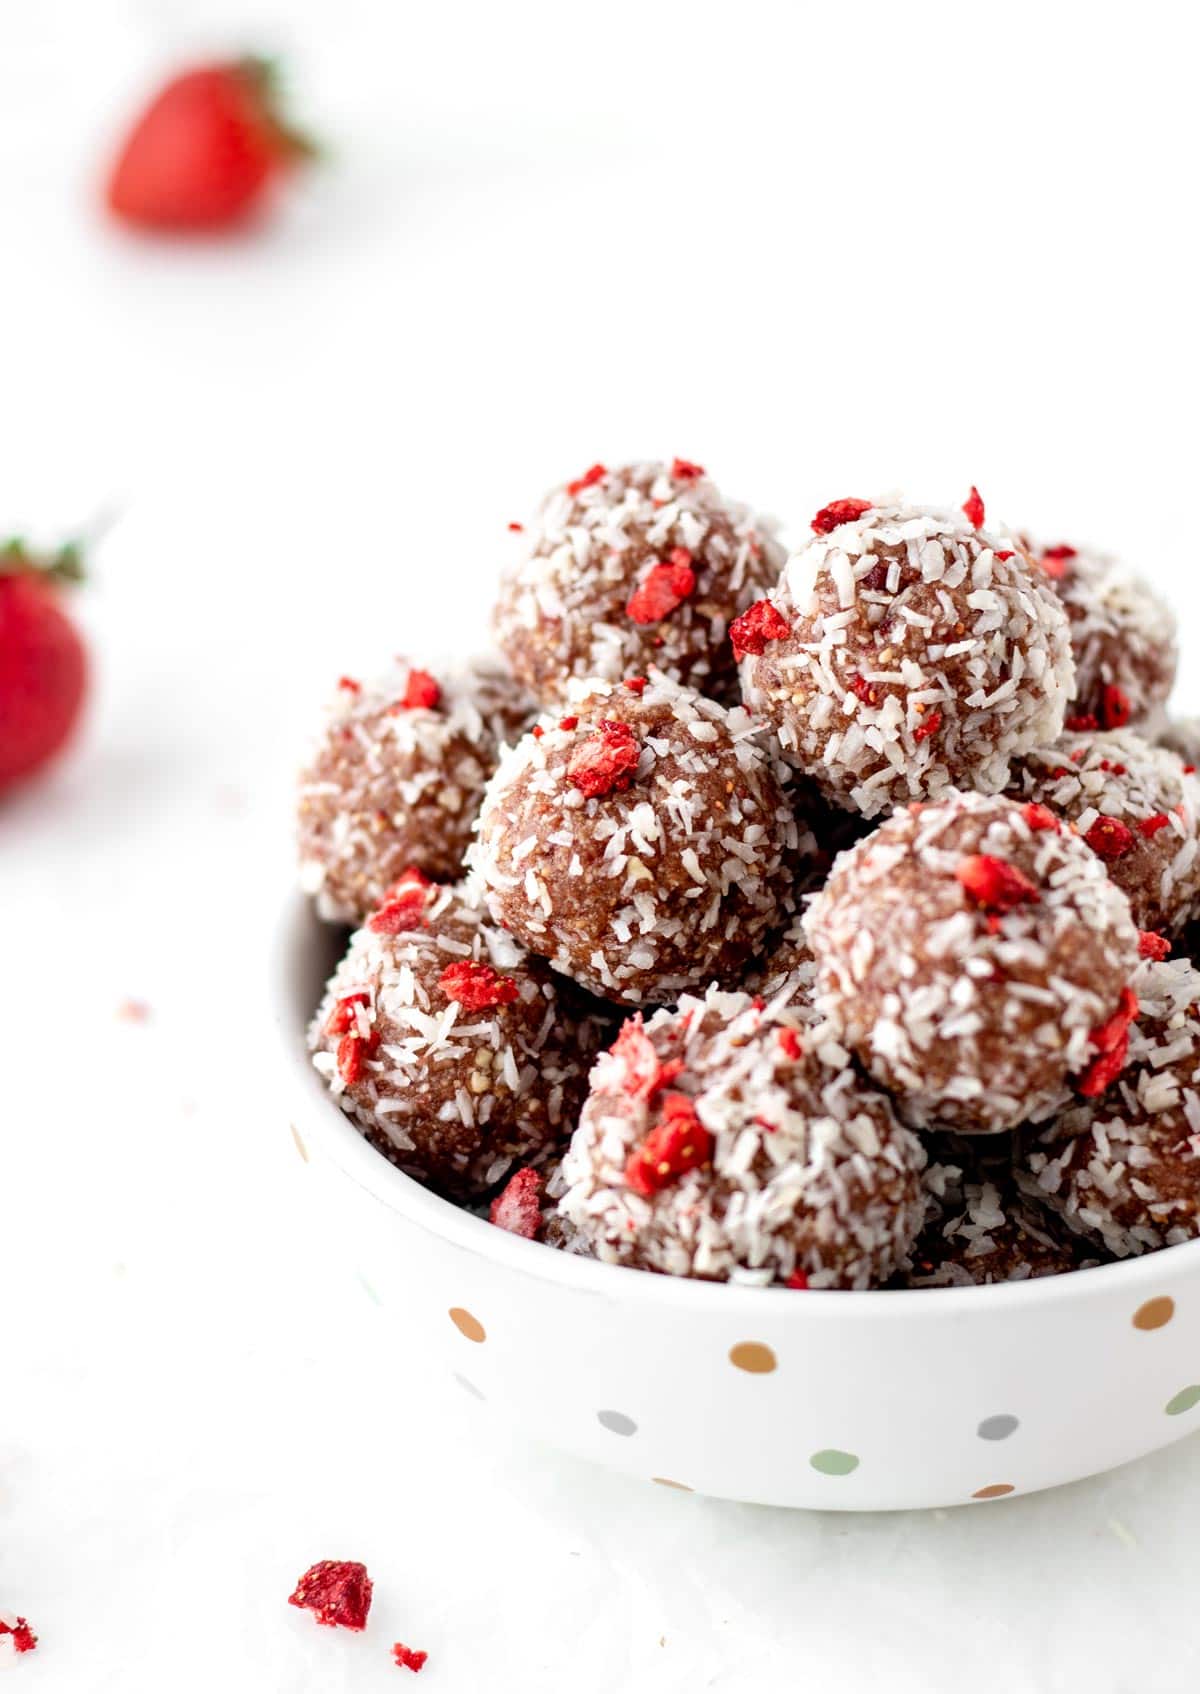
665, 1482
300, 1147
467, 1324
993, 1491
753, 1356
1155, 1313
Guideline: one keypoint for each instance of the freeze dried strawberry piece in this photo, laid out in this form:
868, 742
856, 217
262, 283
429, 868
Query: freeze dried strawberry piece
343, 1015
1040, 817
517, 528
350, 684
759, 624
421, 692
1151, 826
1082, 723
1007, 554
1115, 709
839, 512
928, 726
798, 1279
409, 1658
1111, 1039
644, 1072
973, 507
337, 1592
663, 590
568, 723
863, 689
994, 884
636, 685
1152, 945
477, 986
790, 1042
1056, 561
683, 470
605, 763
593, 475
518, 1207
23, 1638
353, 1051
678, 1143
403, 906
1109, 839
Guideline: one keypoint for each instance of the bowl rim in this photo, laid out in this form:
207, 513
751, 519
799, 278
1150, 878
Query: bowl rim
364, 1165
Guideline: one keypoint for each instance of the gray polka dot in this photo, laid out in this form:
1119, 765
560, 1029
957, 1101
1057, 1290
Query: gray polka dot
475, 1393
617, 1422
998, 1428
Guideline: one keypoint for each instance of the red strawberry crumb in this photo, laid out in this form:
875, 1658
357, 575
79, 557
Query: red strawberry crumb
518, 1207
973, 507
1038, 817
790, 1042
798, 1279
351, 684
517, 528
1115, 710
759, 624
863, 689
567, 723
403, 906
409, 1658
1082, 723
839, 512
683, 470
593, 475
1111, 1040
342, 1017
1007, 554
23, 1638
1151, 826
636, 684
1152, 945
928, 726
645, 1073
663, 590
537, 732
477, 986
1109, 839
422, 692
605, 763
994, 884
336, 1591
1079, 755
678, 1143
1189, 770
352, 1054
1056, 560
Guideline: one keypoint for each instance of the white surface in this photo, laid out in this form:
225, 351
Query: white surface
824, 250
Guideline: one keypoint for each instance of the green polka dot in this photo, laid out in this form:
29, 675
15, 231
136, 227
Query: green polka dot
1183, 1401
830, 1462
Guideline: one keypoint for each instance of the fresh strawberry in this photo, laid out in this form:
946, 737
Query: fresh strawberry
43, 666
206, 151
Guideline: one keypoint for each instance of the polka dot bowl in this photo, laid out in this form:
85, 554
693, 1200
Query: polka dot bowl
855, 1402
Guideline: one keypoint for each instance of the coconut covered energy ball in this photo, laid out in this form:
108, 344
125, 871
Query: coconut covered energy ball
396, 778
622, 569
1123, 1170
1123, 637
448, 1045
906, 652
636, 842
1135, 807
714, 1143
977, 961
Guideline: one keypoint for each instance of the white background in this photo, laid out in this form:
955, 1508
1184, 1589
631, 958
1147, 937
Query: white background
824, 249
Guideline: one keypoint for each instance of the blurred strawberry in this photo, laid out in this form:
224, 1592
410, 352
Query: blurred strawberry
43, 666
206, 151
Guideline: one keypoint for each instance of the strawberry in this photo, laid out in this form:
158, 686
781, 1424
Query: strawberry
206, 151
43, 666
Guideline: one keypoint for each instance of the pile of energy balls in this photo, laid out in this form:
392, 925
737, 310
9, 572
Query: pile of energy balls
777, 918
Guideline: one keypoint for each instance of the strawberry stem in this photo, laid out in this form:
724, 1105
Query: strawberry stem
265, 77
63, 565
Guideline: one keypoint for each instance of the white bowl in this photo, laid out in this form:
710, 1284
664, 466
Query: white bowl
852, 1402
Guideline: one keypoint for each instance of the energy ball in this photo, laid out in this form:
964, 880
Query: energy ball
638, 841
1124, 1171
905, 652
622, 569
1136, 809
396, 779
448, 1045
715, 1144
976, 960
1122, 635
